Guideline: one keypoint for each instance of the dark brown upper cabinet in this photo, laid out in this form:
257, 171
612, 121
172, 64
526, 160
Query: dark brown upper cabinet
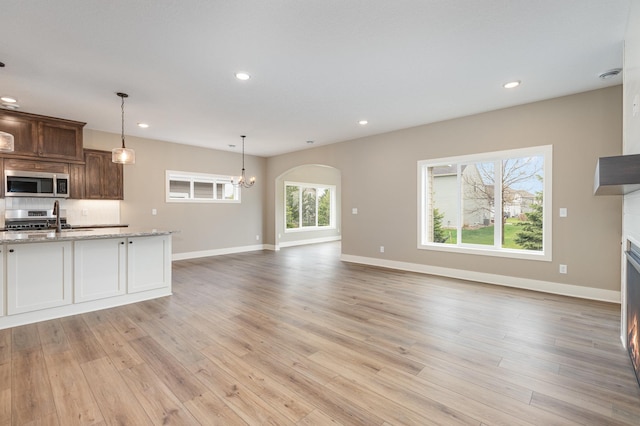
103, 179
43, 137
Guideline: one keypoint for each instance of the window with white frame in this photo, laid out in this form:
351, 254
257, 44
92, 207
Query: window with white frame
496, 203
188, 187
308, 206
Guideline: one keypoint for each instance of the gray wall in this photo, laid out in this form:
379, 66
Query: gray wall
201, 226
379, 177
631, 121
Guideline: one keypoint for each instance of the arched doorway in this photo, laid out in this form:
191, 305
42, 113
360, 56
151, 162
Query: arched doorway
317, 182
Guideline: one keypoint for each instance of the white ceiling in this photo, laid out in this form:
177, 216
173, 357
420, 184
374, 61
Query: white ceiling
317, 66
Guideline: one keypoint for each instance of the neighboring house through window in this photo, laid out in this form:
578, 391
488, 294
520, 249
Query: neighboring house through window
189, 187
496, 203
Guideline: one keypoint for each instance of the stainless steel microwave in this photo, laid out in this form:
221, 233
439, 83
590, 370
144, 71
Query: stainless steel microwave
35, 184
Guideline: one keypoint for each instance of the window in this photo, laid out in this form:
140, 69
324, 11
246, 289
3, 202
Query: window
308, 206
190, 187
496, 203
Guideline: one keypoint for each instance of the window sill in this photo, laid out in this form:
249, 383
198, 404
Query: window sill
488, 251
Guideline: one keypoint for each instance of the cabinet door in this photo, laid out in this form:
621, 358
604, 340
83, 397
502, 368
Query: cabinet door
24, 131
92, 174
103, 178
76, 181
112, 179
148, 263
38, 276
99, 269
58, 140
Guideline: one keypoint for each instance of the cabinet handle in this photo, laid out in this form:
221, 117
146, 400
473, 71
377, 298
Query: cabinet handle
10, 250
130, 242
122, 242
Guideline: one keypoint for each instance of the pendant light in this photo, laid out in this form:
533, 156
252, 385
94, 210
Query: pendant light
123, 155
242, 182
6, 142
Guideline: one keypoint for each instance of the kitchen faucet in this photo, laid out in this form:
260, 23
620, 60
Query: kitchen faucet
56, 212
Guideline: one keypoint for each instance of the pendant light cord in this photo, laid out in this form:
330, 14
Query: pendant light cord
122, 96
243, 155
122, 107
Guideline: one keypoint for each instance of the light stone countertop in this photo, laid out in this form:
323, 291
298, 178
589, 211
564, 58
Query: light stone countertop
76, 234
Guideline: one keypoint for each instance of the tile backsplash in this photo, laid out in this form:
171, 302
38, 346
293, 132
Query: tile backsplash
79, 212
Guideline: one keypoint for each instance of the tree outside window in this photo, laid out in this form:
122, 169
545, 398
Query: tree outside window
308, 206
492, 201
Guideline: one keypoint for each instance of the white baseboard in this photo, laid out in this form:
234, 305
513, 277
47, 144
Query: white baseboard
220, 252
310, 241
503, 280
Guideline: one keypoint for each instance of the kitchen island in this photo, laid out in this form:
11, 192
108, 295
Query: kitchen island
46, 275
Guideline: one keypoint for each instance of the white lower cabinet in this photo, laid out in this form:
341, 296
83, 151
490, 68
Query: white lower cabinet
99, 269
39, 276
148, 263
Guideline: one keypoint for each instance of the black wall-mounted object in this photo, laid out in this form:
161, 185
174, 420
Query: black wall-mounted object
617, 175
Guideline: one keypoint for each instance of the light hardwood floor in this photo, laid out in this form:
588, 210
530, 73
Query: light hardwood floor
299, 338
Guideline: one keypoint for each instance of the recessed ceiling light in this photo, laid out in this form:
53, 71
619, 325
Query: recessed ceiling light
143, 125
310, 142
511, 84
609, 73
8, 99
363, 122
242, 76
11, 106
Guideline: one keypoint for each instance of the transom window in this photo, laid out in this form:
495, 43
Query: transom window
496, 203
191, 187
308, 206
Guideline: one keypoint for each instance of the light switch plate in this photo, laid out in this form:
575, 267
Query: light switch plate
563, 212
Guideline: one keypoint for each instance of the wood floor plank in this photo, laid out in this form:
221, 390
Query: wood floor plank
173, 374
118, 404
210, 410
122, 320
333, 405
175, 344
385, 408
160, 404
286, 402
31, 396
5, 394
72, 395
299, 337
114, 344
82, 339
318, 418
53, 337
246, 404
5, 345
25, 338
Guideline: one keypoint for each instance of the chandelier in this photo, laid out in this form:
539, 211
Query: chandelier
242, 182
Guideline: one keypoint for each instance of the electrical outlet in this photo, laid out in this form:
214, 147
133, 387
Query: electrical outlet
154, 212
257, 237
381, 249
354, 210
85, 212
563, 269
